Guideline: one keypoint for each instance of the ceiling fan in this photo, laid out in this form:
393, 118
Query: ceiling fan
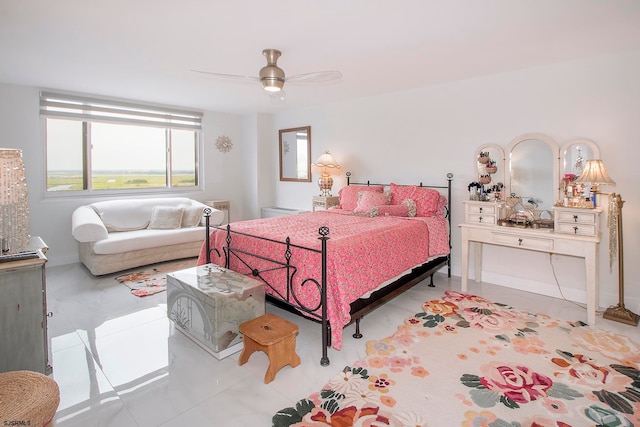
273, 77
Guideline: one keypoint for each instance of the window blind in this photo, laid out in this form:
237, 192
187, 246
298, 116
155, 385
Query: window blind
106, 110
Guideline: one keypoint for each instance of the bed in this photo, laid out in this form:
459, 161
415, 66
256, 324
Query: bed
335, 266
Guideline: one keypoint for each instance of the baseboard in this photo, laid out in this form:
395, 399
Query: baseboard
606, 299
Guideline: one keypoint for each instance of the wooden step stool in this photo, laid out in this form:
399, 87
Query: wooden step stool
273, 335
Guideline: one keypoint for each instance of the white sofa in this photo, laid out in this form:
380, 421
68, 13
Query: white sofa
117, 235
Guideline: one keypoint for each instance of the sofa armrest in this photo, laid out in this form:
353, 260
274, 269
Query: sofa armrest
217, 216
86, 225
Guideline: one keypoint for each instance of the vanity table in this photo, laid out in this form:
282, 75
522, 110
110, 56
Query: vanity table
541, 240
531, 168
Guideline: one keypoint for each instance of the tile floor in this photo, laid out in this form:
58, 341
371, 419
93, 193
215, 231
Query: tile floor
119, 362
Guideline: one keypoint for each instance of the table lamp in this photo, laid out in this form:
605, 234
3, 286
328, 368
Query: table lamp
594, 174
326, 166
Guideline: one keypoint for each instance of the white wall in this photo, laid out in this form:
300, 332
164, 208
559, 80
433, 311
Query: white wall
50, 218
420, 135
408, 137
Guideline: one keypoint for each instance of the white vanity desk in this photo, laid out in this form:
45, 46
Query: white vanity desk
535, 240
531, 168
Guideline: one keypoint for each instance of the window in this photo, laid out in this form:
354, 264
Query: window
95, 145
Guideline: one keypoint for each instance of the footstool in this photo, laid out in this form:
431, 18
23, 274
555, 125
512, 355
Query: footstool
273, 335
27, 399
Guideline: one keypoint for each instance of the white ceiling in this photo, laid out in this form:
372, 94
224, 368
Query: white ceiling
144, 49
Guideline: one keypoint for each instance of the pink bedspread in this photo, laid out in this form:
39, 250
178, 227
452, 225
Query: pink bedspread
362, 253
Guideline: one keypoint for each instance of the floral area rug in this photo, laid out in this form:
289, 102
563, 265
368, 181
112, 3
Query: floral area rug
153, 279
466, 361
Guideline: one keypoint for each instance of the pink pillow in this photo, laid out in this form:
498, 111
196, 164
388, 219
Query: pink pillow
349, 194
426, 198
442, 203
370, 199
389, 210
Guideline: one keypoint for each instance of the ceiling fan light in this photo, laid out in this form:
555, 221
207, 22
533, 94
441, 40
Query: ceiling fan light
272, 78
272, 84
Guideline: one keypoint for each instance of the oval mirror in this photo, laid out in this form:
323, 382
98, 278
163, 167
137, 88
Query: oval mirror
295, 154
533, 170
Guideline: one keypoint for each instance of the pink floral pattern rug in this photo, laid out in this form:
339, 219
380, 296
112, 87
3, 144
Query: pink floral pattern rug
466, 361
153, 279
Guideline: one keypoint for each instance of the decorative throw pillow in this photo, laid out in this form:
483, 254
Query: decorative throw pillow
442, 204
411, 207
368, 199
349, 194
191, 215
165, 217
389, 210
426, 199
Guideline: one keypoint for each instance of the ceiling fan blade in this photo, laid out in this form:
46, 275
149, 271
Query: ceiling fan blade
273, 77
226, 76
317, 77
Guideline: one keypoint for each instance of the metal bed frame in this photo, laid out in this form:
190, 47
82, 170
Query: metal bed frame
290, 301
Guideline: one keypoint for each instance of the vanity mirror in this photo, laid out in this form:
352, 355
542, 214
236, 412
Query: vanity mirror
533, 170
295, 154
532, 167
574, 154
490, 166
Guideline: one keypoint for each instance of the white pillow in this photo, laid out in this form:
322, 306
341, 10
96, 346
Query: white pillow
165, 217
191, 215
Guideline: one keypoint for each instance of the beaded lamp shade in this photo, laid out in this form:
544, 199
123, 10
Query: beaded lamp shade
326, 166
14, 208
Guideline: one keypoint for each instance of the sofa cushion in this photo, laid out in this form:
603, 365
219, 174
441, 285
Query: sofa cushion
191, 215
125, 241
132, 214
165, 217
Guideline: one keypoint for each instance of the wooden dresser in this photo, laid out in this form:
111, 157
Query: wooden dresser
23, 316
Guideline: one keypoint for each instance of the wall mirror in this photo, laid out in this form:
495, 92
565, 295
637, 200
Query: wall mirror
533, 170
295, 154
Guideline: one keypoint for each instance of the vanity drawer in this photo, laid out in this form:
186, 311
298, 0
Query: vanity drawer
577, 228
586, 217
481, 219
481, 209
581, 222
484, 213
524, 242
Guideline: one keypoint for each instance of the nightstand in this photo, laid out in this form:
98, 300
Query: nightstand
325, 202
223, 205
